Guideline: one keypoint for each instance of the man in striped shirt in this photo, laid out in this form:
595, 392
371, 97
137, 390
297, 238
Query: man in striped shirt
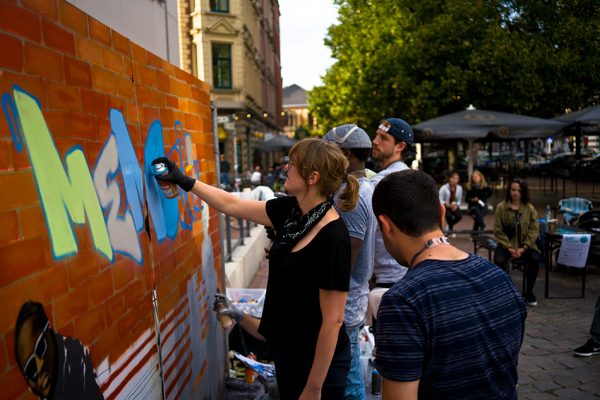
452, 328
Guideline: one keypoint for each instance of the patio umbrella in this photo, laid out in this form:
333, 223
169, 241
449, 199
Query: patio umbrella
471, 125
279, 142
585, 121
588, 119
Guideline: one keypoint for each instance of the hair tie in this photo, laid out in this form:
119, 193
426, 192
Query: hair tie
346, 177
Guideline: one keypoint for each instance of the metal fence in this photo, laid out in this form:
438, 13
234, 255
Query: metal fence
236, 230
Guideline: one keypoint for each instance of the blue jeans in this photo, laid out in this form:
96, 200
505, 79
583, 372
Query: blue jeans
355, 387
225, 179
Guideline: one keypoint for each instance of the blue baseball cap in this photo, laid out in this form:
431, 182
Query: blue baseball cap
399, 129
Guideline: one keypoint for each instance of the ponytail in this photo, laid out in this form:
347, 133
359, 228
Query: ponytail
349, 196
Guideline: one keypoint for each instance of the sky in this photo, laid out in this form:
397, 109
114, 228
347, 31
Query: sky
303, 26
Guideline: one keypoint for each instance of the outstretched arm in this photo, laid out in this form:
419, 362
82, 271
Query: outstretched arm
230, 204
223, 201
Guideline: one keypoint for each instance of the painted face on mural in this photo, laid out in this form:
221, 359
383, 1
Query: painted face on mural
36, 355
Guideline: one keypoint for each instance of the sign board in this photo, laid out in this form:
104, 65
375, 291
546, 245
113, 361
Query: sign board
230, 126
574, 250
221, 119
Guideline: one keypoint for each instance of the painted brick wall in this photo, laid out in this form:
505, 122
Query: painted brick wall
84, 229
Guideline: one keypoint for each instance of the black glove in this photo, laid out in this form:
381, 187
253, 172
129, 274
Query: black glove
230, 309
174, 175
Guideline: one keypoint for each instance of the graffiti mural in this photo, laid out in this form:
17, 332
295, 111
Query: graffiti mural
54, 366
67, 194
118, 156
190, 324
71, 196
105, 284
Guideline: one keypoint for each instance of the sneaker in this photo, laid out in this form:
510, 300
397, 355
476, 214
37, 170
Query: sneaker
531, 299
591, 348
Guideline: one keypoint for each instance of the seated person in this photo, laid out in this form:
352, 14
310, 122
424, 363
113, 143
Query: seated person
477, 194
516, 231
451, 197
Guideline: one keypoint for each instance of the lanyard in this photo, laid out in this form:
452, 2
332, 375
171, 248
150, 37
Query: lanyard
430, 244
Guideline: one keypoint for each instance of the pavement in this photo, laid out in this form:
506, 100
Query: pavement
547, 368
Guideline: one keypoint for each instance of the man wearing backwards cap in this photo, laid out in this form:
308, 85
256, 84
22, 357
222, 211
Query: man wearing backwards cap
393, 140
356, 145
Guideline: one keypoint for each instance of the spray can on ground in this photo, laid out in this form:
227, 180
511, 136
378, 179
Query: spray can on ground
169, 189
375, 382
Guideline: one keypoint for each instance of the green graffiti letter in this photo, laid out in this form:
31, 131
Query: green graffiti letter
67, 197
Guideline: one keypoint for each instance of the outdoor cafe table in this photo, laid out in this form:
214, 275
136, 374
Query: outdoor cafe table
552, 241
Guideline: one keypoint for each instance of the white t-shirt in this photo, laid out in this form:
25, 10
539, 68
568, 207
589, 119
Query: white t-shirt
385, 268
256, 178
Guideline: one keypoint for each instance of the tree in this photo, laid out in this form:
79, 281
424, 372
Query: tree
421, 59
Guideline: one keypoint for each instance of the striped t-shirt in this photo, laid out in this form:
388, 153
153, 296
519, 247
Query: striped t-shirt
457, 326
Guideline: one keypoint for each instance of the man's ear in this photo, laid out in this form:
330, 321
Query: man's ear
385, 224
346, 153
399, 147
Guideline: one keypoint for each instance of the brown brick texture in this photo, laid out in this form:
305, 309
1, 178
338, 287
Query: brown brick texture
79, 70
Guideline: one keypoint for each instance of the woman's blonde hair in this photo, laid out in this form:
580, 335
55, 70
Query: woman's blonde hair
482, 184
314, 155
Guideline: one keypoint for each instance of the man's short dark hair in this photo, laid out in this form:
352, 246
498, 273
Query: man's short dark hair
29, 309
410, 200
361, 154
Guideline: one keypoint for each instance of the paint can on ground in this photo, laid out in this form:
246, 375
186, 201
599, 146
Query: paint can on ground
375, 382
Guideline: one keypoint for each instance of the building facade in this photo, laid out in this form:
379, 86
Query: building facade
234, 46
298, 121
151, 24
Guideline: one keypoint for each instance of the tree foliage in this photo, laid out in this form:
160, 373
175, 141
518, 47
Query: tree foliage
421, 59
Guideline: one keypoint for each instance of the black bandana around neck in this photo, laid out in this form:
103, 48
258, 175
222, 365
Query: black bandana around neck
296, 226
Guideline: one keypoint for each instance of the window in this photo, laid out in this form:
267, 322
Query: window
221, 55
221, 6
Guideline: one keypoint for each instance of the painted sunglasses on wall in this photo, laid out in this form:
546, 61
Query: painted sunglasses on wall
41, 346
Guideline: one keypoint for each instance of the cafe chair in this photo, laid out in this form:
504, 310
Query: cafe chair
589, 220
572, 207
520, 265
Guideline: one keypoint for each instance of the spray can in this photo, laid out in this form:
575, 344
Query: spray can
375, 382
169, 189
225, 320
